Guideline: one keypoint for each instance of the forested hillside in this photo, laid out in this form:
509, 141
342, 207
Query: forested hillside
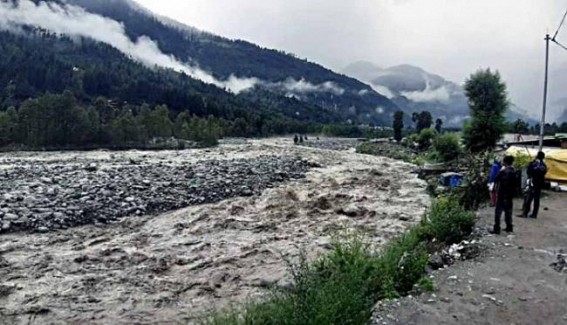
98, 77
111, 63
276, 71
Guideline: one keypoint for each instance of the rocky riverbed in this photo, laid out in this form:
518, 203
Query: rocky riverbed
169, 268
45, 195
331, 143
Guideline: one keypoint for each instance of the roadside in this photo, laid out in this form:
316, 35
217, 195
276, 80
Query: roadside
511, 282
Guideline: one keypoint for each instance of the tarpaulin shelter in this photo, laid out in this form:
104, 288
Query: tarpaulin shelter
555, 159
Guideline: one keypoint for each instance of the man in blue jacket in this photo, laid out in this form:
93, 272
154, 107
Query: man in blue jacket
496, 167
536, 180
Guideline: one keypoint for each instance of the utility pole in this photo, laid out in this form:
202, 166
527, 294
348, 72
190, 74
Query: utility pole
542, 124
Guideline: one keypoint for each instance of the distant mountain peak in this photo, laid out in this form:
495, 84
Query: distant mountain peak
360, 65
414, 89
407, 68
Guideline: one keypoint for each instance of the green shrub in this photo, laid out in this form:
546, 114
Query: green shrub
474, 190
403, 262
412, 140
426, 136
426, 284
448, 222
448, 146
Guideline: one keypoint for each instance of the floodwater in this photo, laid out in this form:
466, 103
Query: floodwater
170, 268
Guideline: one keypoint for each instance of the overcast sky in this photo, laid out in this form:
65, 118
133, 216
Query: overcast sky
449, 37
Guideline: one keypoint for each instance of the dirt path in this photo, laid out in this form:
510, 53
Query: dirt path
169, 268
511, 283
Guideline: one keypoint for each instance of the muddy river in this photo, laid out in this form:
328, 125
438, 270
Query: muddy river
171, 267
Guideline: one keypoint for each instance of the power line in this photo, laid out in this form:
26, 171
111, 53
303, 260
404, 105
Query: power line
560, 25
560, 45
547, 39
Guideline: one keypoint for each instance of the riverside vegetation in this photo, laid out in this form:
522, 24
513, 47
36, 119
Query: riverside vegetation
342, 287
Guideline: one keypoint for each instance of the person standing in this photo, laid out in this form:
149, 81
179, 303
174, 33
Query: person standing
536, 180
505, 182
496, 167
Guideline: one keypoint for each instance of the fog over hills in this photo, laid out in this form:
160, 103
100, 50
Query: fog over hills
413, 89
247, 66
262, 77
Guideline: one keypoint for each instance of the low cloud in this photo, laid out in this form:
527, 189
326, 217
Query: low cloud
302, 86
384, 91
457, 120
74, 21
429, 95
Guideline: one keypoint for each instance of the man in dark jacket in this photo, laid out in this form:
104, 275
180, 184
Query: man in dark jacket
506, 182
536, 179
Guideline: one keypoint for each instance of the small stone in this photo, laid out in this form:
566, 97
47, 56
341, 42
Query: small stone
436, 261
46, 180
285, 284
349, 211
325, 243
91, 167
490, 291
10, 217
494, 300
6, 225
52, 191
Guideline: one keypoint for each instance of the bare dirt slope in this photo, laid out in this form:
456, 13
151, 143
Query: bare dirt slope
169, 268
512, 283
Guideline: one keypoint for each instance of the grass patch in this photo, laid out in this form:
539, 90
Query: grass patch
343, 286
426, 285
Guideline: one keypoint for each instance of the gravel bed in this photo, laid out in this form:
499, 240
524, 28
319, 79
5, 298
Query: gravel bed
48, 195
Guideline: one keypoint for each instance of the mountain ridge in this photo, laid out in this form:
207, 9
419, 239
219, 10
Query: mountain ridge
414, 89
273, 70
